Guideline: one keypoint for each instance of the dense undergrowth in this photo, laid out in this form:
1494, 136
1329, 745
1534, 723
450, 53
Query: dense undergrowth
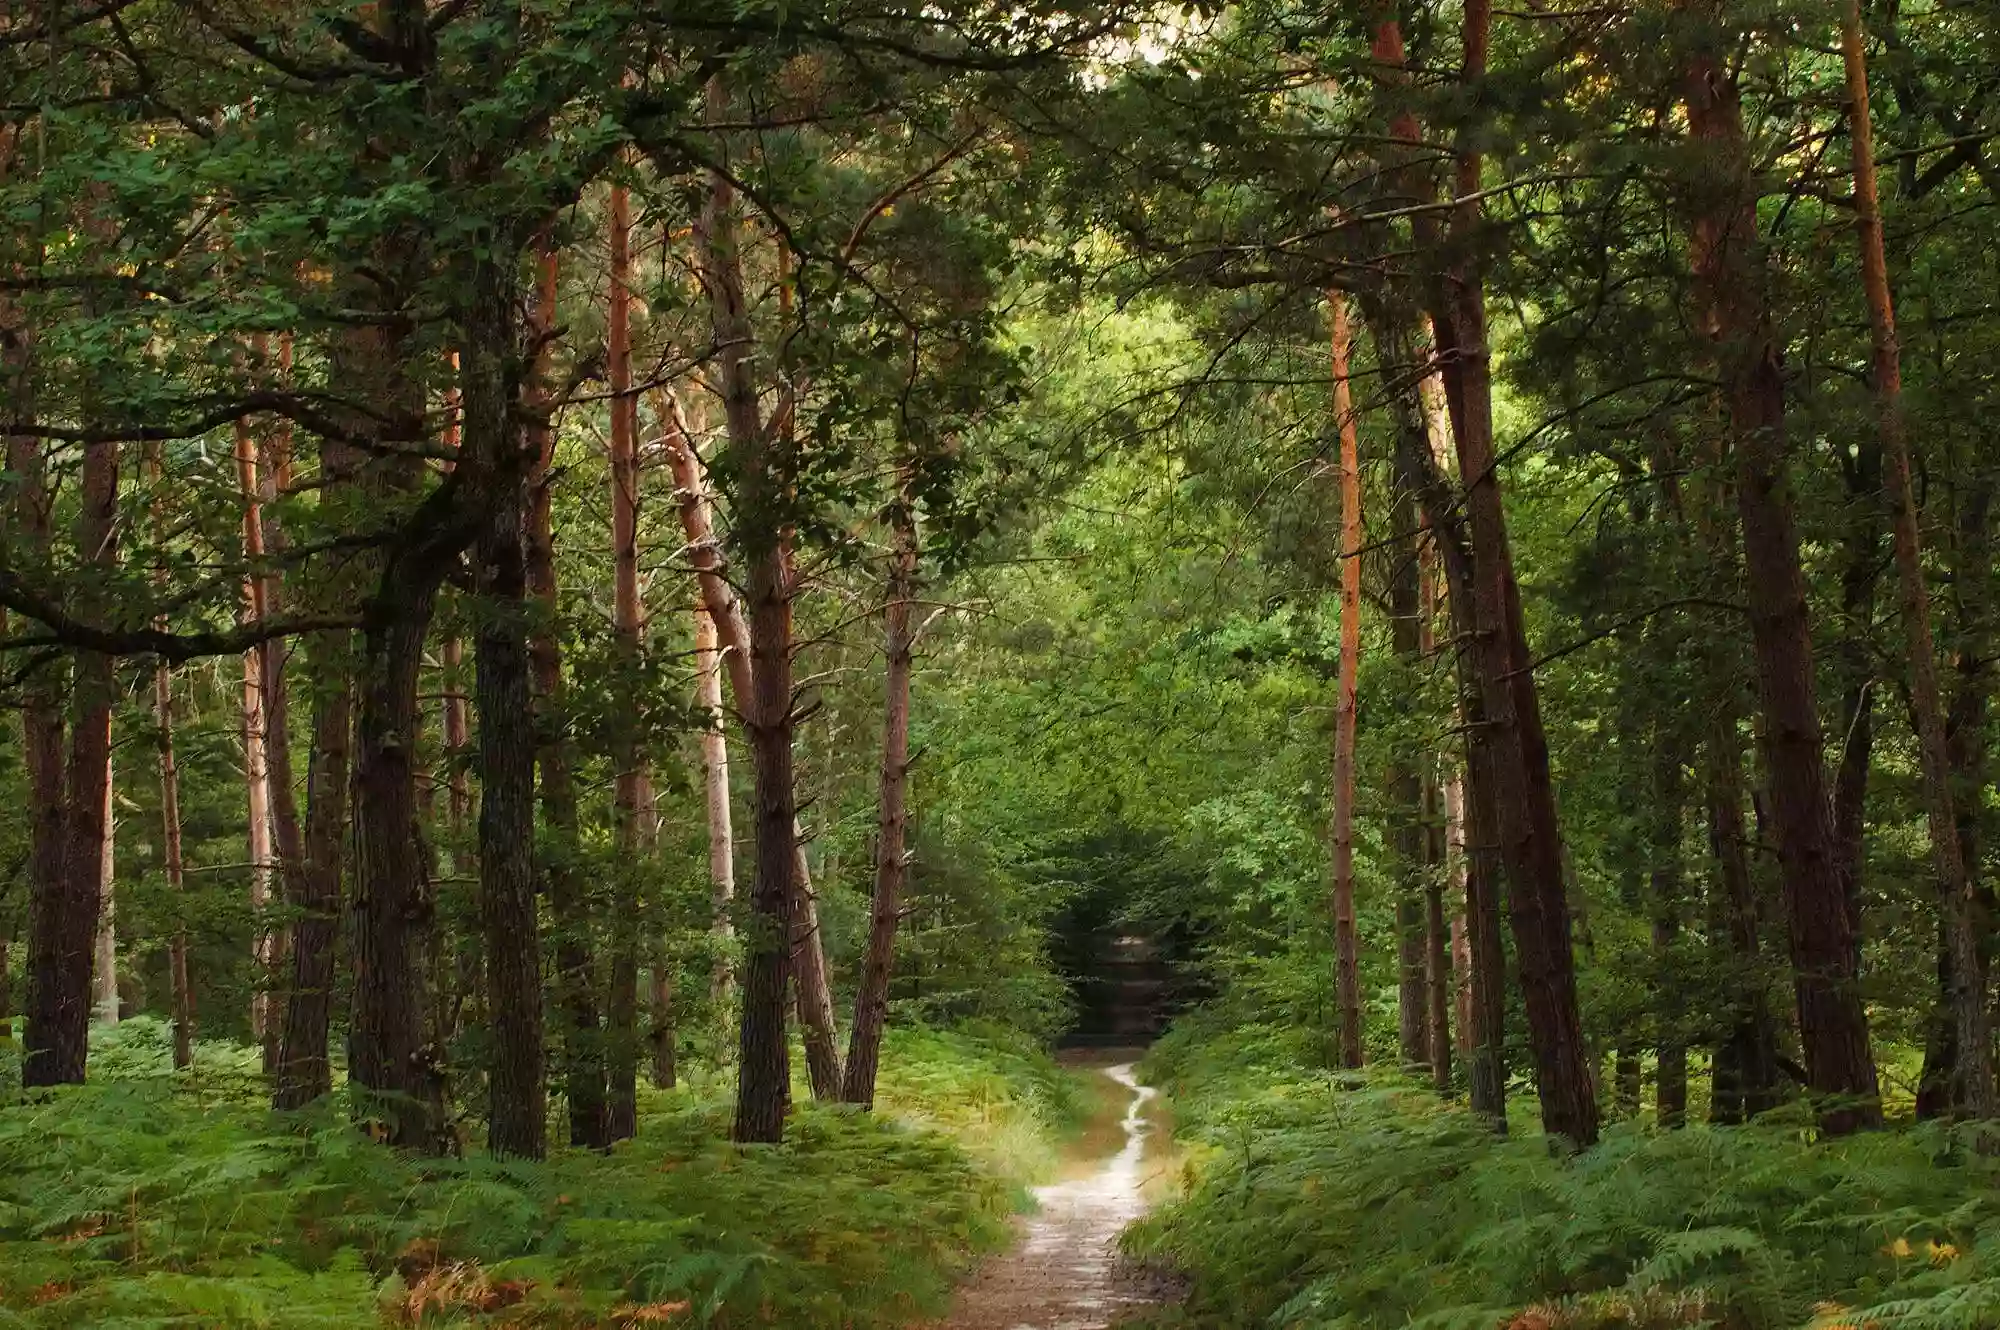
1322, 1201
146, 1199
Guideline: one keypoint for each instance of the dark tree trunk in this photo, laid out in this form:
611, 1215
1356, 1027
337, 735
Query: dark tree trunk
763, 1072
63, 932
1746, 1059
517, 1116
399, 1077
871, 1000
1966, 744
1406, 792
1487, 1073
1437, 930
303, 1072
1860, 571
1730, 279
576, 971
1669, 797
631, 800
1524, 795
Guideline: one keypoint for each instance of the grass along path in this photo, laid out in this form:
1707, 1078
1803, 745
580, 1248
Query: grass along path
1067, 1274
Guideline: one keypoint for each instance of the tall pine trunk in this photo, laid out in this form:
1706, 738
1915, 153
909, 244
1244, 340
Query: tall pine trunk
581, 1036
1524, 795
871, 999
715, 786
516, 1115
1730, 279
1425, 468
630, 795
104, 951
1958, 902
763, 1071
256, 769
63, 926
1347, 961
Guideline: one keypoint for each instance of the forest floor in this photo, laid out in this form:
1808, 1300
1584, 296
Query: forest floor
1067, 1272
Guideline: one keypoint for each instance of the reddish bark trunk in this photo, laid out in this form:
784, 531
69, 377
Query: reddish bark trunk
1347, 963
1730, 281
1959, 904
576, 970
630, 795
871, 999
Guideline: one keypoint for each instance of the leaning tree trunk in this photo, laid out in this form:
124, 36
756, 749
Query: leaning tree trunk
1730, 279
1346, 948
732, 640
1424, 468
1530, 835
871, 1000
1958, 902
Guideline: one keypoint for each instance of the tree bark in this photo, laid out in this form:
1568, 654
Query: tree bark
180, 996
1730, 281
871, 999
1530, 835
256, 770
630, 792
1425, 469
63, 928
765, 686
1437, 932
1347, 961
398, 1076
1960, 906
104, 953
576, 970
516, 1113
1668, 797
1406, 790
715, 784
1746, 1061
1972, 683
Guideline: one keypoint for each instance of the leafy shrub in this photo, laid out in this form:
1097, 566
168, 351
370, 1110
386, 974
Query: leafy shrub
1326, 1201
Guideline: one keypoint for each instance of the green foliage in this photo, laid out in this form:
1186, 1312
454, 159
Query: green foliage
146, 1200
1336, 1201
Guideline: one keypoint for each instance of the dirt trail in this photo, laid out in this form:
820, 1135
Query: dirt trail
1066, 1273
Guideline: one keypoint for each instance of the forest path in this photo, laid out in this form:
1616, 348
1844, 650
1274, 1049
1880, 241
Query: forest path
1066, 1273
